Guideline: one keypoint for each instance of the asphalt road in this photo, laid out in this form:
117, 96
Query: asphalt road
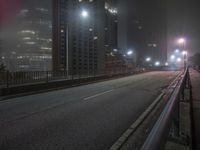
89, 117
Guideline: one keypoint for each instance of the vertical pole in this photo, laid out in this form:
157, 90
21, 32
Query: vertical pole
7, 79
47, 76
67, 50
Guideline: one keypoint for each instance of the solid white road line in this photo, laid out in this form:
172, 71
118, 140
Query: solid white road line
96, 95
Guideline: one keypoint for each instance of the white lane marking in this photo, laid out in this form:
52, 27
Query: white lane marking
96, 95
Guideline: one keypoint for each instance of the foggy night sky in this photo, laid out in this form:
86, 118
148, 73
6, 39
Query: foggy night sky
183, 18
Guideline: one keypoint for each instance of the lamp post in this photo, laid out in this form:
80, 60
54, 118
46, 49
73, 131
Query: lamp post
184, 53
148, 61
84, 14
182, 42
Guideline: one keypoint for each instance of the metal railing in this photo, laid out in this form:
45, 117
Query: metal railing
169, 117
8, 79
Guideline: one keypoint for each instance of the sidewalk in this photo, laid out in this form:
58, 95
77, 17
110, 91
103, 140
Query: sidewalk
195, 80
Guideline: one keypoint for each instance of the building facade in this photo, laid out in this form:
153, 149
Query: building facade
81, 35
142, 28
27, 39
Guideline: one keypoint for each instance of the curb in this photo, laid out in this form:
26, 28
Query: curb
136, 124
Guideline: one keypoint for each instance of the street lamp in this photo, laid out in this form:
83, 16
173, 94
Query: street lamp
177, 51
179, 60
84, 13
148, 59
172, 57
130, 52
181, 40
157, 63
184, 53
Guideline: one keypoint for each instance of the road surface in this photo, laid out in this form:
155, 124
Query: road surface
89, 117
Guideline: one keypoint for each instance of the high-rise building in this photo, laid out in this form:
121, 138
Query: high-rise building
82, 35
142, 28
27, 39
122, 25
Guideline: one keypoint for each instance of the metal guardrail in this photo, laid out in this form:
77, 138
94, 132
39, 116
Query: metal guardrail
9, 79
170, 115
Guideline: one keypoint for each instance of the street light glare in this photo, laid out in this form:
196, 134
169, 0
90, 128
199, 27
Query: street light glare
184, 53
130, 52
157, 63
84, 13
148, 59
177, 51
181, 40
172, 57
179, 60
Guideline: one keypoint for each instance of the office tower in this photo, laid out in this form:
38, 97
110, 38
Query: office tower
27, 38
142, 28
81, 35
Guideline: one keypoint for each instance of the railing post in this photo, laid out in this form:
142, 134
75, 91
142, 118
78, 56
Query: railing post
7, 79
175, 128
47, 78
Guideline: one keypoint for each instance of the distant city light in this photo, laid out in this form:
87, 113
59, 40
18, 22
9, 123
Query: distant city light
28, 31
157, 63
181, 40
166, 64
148, 59
30, 43
177, 51
115, 50
113, 10
95, 37
154, 45
172, 57
84, 14
184, 53
179, 60
26, 38
46, 48
130, 52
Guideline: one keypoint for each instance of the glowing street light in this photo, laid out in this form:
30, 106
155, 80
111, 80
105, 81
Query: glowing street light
166, 64
172, 57
177, 51
84, 13
184, 53
179, 60
130, 52
148, 59
181, 40
157, 63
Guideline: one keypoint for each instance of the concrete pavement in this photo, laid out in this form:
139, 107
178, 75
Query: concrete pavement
87, 117
195, 81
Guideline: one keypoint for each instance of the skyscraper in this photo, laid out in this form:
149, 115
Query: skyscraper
81, 35
142, 27
26, 39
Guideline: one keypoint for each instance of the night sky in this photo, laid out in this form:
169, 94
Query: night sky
184, 20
